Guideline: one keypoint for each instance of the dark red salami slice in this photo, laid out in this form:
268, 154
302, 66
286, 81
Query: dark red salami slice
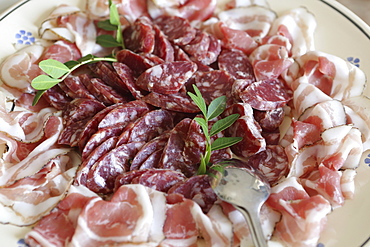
272, 163
125, 113
76, 85
199, 46
272, 138
172, 157
198, 189
195, 143
92, 126
109, 76
238, 87
109, 94
80, 109
153, 160
266, 95
180, 54
167, 78
174, 102
213, 52
102, 176
163, 48
95, 155
70, 134
56, 97
99, 137
237, 64
139, 37
86, 80
158, 179
155, 145
67, 91
247, 128
214, 84
138, 63
178, 30
270, 120
126, 75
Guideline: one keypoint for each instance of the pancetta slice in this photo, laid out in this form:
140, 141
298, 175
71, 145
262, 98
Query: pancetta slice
27, 200
298, 25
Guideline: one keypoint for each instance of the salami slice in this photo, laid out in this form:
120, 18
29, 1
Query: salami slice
99, 137
174, 102
167, 78
86, 80
138, 63
270, 120
101, 177
247, 128
172, 157
214, 84
125, 113
70, 134
80, 109
177, 29
155, 145
108, 75
140, 36
56, 97
237, 64
158, 179
110, 95
76, 85
163, 48
95, 155
126, 75
266, 95
198, 47
195, 143
272, 163
197, 188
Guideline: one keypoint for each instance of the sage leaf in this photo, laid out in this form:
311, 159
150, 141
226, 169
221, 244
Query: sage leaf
224, 142
71, 64
37, 97
216, 107
106, 40
223, 124
203, 124
53, 68
44, 82
107, 25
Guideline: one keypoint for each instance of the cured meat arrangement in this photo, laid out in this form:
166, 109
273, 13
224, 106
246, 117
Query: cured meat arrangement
109, 156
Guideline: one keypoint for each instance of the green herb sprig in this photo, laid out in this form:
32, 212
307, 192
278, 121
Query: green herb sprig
56, 72
112, 24
215, 109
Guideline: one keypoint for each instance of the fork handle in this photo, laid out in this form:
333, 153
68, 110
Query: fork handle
254, 223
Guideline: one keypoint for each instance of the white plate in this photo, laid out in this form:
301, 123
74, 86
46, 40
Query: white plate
339, 32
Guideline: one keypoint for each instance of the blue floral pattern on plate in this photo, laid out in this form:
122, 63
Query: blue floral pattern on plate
24, 38
22, 243
354, 60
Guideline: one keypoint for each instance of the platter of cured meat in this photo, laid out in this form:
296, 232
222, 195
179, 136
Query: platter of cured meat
110, 155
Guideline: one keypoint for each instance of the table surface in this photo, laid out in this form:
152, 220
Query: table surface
359, 7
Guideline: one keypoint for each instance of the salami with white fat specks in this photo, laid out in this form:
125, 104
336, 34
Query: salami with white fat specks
76, 85
102, 175
195, 143
272, 163
178, 30
110, 95
237, 64
71, 133
125, 113
266, 95
158, 179
172, 157
197, 188
126, 75
167, 78
179, 102
99, 137
269, 120
95, 155
152, 148
80, 109
199, 46
248, 128
163, 47
56, 97
139, 37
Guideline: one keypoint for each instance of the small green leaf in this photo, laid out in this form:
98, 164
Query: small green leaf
223, 124
37, 97
86, 58
202, 166
216, 107
198, 100
53, 68
203, 124
107, 25
224, 142
44, 82
71, 64
114, 15
106, 40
